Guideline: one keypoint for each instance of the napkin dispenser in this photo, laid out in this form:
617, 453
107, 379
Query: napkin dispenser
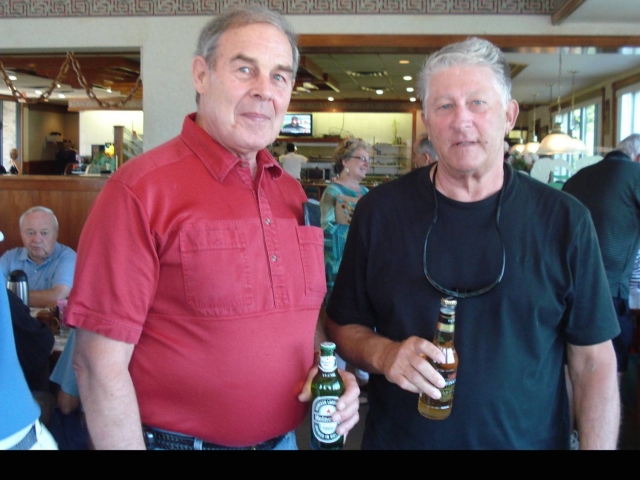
18, 284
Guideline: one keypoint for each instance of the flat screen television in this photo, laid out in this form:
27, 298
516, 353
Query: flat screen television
297, 125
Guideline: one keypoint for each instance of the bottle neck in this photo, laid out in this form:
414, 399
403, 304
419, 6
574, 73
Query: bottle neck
445, 328
328, 363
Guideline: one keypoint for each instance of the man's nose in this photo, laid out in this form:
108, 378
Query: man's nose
262, 87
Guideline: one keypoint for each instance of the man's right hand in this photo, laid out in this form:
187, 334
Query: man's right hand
405, 364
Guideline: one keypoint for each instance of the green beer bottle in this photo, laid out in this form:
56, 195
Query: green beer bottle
326, 387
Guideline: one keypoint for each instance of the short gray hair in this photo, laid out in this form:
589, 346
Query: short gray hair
473, 51
425, 146
241, 16
39, 209
345, 149
630, 145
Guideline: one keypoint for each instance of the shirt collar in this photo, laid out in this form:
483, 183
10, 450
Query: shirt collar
217, 159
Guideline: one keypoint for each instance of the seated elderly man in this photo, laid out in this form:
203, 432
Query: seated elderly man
48, 264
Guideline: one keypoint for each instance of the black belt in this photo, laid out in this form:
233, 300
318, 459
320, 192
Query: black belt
27, 441
168, 441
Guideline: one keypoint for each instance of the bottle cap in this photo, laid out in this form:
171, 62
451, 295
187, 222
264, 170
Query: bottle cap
328, 347
448, 302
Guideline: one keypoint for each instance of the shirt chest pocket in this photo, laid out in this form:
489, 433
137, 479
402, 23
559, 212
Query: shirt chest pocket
216, 270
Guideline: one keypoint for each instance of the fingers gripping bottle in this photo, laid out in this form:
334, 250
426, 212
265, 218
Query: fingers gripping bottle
443, 339
326, 387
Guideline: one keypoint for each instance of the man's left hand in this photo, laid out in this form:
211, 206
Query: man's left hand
346, 415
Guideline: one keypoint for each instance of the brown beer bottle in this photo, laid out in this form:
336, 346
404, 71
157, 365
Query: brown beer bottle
443, 339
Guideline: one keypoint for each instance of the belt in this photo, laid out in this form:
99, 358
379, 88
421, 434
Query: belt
27, 441
154, 438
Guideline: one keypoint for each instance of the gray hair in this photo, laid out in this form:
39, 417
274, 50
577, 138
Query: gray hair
241, 16
473, 51
630, 146
425, 146
39, 209
345, 149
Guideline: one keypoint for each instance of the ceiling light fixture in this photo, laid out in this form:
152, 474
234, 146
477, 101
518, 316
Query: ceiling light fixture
379, 92
61, 95
12, 77
558, 142
330, 99
412, 99
407, 77
403, 62
409, 89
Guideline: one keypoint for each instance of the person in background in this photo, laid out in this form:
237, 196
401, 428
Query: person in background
523, 261
292, 161
208, 229
610, 189
68, 424
48, 264
16, 165
20, 427
351, 163
65, 156
424, 153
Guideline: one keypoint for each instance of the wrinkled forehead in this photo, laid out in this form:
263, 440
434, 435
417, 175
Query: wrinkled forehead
39, 221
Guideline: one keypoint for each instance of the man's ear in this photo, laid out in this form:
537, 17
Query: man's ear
200, 72
512, 115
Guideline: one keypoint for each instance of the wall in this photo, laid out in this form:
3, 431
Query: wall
371, 127
41, 121
96, 126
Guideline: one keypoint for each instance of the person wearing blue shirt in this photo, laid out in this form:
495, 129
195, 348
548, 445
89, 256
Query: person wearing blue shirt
48, 264
20, 427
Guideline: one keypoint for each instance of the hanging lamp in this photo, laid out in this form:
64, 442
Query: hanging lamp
558, 142
532, 146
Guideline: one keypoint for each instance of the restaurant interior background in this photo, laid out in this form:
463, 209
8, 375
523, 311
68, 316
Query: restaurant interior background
163, 34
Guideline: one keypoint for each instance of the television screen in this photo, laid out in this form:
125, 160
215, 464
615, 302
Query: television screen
297, 125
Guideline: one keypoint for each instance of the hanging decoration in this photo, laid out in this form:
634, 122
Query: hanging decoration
70, 61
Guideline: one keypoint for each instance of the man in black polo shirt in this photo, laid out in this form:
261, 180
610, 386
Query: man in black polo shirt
610, 189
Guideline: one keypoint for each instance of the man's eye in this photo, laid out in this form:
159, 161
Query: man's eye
244, 69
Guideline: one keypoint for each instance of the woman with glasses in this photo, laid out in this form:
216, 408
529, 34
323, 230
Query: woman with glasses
351, 163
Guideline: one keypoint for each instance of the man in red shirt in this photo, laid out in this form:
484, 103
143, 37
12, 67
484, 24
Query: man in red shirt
199, 286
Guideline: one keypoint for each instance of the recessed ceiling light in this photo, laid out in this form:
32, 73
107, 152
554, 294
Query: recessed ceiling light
38, 92
58, 85
404, 62
109, 90
407, 77
61, 95
412, 99
330, 99
379, 92
12, 77
409, 89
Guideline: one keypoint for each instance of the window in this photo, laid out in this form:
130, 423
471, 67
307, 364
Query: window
629, 108
581, 123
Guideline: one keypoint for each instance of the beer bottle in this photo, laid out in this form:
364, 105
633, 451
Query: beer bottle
443, 339
326, 387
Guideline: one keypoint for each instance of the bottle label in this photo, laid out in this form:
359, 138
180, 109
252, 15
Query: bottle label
446, 327
328, 364
322, 426
447, 390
